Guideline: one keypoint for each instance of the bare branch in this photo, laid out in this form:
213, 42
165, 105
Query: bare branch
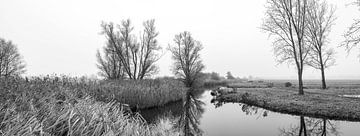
11, 62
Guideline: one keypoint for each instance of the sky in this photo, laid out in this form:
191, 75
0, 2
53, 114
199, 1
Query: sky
62, 37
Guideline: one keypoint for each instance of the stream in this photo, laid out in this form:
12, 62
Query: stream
197, 115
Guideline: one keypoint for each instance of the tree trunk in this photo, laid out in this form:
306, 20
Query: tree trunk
302, 126
323, 77
301, 88
324, 128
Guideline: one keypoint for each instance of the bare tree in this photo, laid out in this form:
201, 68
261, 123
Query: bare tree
286, 21
11, 62
186, 55
109, 65
191, 111
311, 127
352, 36
137, 58
320, 20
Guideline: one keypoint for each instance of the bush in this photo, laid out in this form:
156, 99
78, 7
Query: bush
288, 84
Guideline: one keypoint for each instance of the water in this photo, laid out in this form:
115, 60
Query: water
197, 115
351, 96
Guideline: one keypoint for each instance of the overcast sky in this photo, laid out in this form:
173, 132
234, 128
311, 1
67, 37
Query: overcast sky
62, 36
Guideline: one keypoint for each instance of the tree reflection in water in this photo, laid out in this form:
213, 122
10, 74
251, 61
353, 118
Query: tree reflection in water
307, 126
311, 127
188, 122
248, 109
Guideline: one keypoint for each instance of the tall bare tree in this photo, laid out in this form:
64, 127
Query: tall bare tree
286, 21
11, 62
137, 57
109, 64
352, 36
186, 55
191, 111
320, 19
311, 127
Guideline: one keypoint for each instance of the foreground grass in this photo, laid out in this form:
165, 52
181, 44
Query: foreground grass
85, 117
72, 106
315, 102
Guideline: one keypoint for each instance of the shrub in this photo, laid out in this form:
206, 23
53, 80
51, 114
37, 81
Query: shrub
288, 84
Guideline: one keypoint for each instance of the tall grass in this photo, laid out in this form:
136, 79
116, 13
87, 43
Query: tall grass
78, 106
141, 93
85, 117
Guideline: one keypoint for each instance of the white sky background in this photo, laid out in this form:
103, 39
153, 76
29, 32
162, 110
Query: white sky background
62, 36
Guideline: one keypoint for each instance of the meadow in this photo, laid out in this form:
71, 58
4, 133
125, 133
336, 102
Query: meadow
329, 103
82, 106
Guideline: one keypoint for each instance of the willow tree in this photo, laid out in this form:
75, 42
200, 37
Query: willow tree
11, 62
320, 19
186, 55
137, 55
285, 21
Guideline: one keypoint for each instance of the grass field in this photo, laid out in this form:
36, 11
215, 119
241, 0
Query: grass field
328, 103
313, 84
80, 106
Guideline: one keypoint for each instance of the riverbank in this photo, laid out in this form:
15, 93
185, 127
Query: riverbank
315, 103
82, 106
141, 94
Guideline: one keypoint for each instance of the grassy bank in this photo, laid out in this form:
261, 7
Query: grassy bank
141, 93
80, 106
235, 83
315, 102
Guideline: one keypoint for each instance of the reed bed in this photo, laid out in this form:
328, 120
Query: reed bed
141, 93
84, 117
78, 106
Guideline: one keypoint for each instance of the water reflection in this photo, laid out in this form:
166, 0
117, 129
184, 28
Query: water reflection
184, 114
247, 109
307, 126
169, 110
234, 119
311, 127
192, 109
